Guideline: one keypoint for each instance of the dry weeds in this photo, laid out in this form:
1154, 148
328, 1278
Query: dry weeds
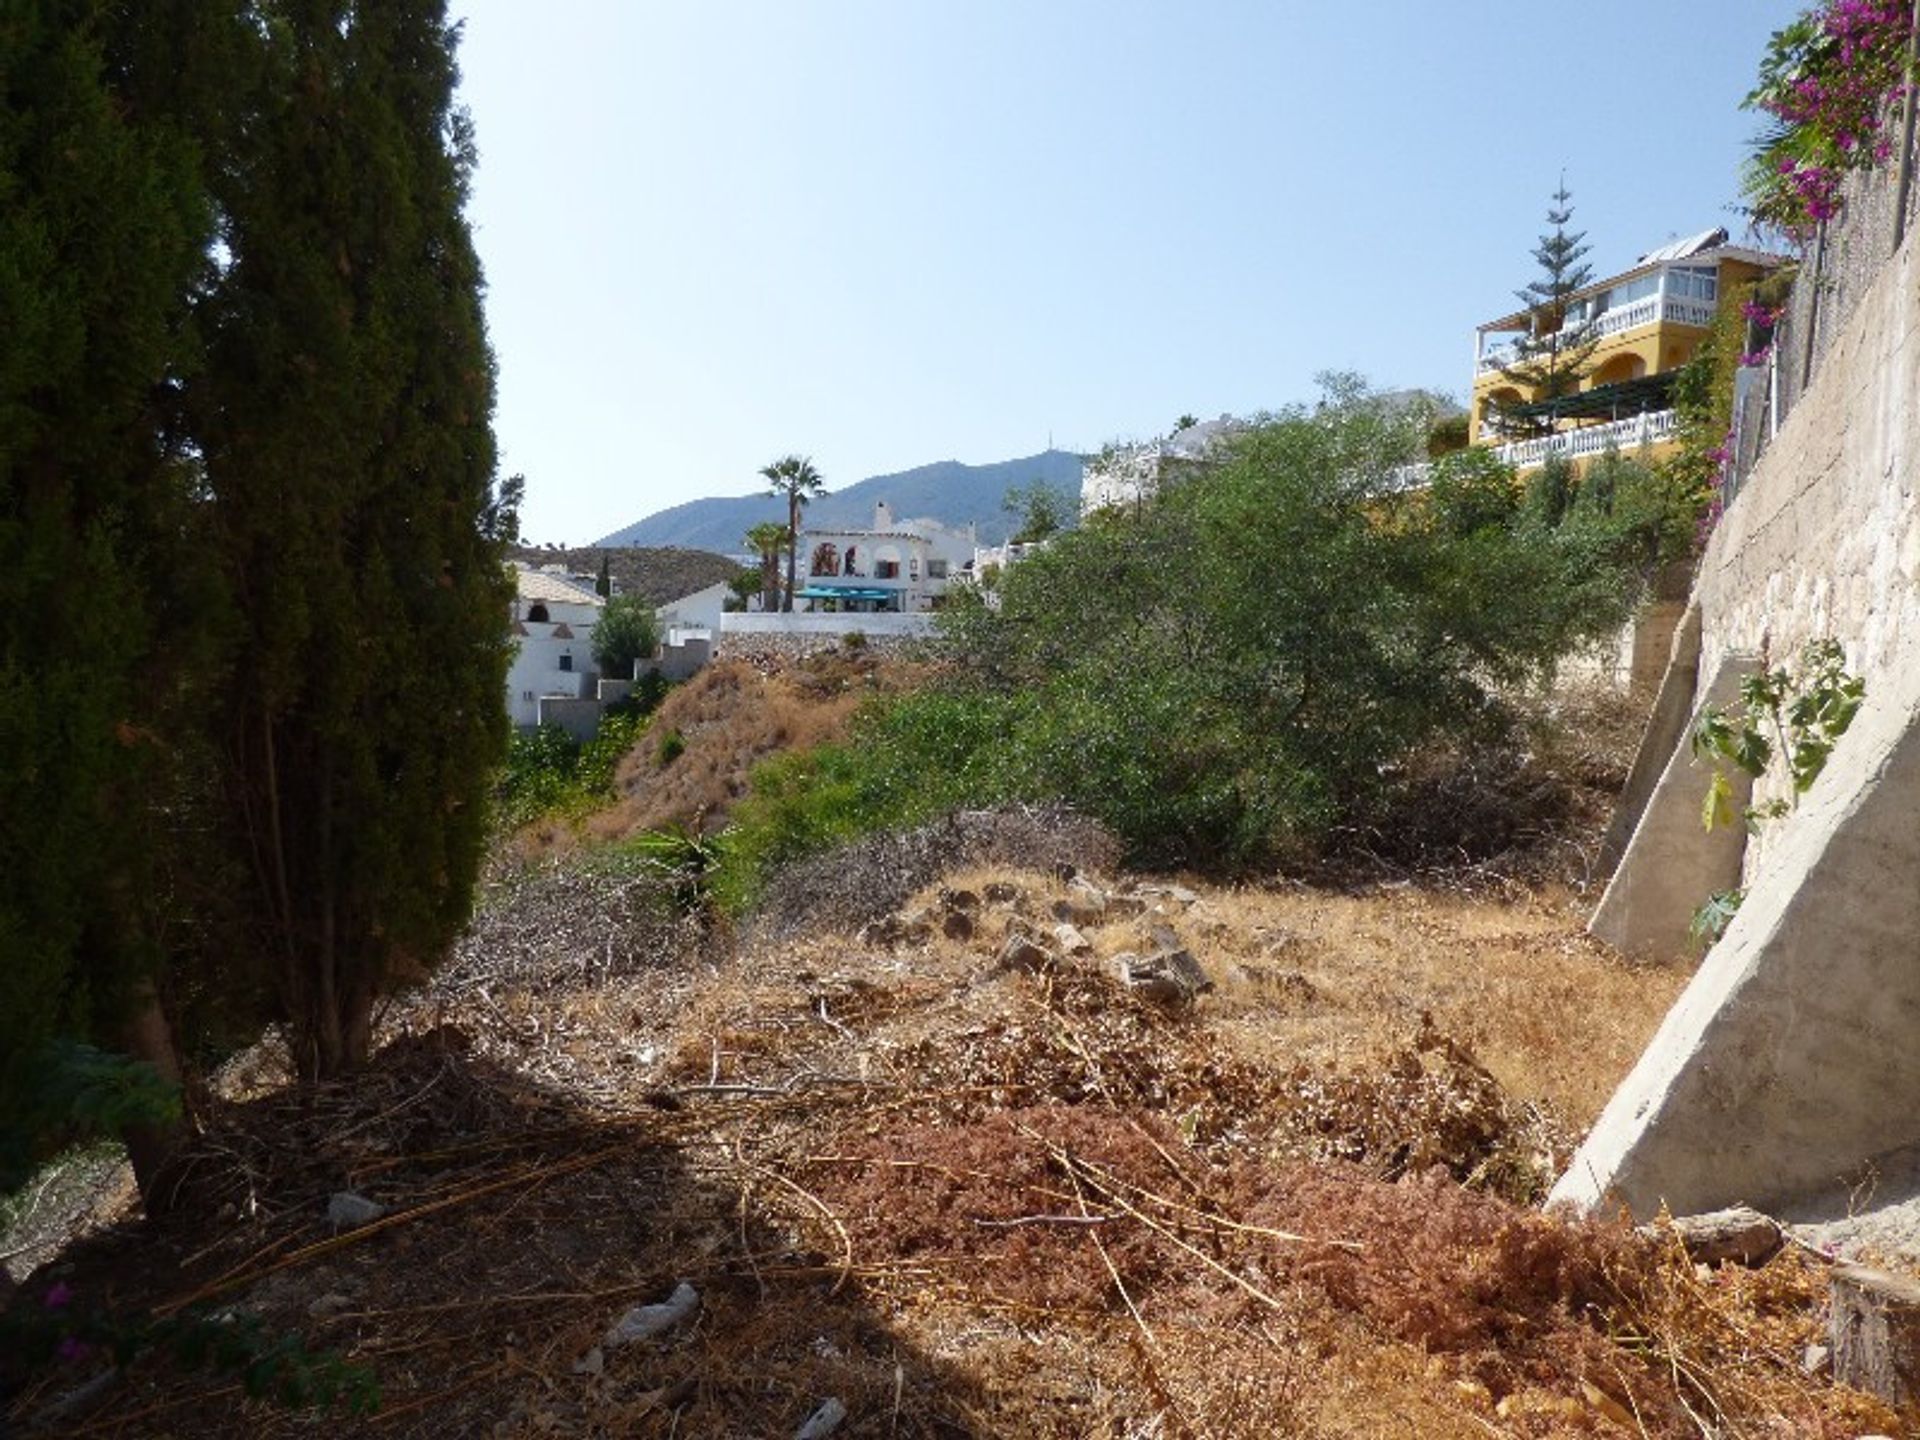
975, 1202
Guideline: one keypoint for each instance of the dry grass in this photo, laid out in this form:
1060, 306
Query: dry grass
967, 1201
731, 716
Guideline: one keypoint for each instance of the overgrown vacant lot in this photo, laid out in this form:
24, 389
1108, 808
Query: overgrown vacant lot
963, 1197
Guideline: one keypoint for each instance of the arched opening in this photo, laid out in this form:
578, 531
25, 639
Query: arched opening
1619, 368
537, 613
826, 559
1492, 407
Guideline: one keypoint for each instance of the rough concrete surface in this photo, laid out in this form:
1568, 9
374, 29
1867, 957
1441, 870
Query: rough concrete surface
1673, 863
1789, 1070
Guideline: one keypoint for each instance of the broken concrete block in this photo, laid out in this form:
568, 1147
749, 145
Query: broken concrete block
1167, 977
1741, 1234
1025, 954
1071, 941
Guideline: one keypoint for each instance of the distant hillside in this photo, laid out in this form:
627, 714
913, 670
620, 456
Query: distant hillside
947, 491
657, 575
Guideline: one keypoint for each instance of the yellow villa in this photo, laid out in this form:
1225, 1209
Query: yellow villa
1649, 320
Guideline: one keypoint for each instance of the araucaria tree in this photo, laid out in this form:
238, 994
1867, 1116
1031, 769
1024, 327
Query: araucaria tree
345, 421
793, 477
1552, 356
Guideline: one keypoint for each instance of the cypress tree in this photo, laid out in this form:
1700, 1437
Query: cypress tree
103, 231
345, 416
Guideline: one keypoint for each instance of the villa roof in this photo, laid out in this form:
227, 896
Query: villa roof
540, 585
1709, 245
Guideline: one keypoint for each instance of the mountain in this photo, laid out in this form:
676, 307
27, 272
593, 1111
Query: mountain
947, 491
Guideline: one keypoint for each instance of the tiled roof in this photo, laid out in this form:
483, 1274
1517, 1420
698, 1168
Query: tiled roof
562, 632
538, 585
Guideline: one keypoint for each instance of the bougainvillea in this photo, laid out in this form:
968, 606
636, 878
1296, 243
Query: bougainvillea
1828, 81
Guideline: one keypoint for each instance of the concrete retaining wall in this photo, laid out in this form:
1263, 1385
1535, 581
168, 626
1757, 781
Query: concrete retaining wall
1793, 1059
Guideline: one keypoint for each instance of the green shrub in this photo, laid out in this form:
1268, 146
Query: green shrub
1240, 666
672, 746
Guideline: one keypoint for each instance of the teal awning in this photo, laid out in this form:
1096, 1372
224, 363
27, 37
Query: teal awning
838, 592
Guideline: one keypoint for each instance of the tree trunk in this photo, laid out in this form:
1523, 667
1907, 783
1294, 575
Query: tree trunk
154, 1149
793, 545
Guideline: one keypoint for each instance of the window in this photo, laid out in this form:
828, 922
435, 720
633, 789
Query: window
913, 568
538, 613
936, 569
566, 660
1693, 282
886, 569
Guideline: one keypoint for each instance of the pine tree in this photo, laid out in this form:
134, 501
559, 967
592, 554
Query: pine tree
1552, 357
103, 228
345, 418
603, 586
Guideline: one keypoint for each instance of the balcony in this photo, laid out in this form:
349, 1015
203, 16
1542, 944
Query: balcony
1648, 429
1653, 428
1648, 310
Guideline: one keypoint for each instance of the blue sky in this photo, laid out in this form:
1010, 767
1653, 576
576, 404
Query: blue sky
887, 232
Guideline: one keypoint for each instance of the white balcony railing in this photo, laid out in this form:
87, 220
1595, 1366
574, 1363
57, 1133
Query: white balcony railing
1649, 429
1648, 310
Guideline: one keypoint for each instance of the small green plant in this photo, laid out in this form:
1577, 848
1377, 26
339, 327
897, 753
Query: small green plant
277, 1367
686, 859
1796, 716
1710, 921
672, 746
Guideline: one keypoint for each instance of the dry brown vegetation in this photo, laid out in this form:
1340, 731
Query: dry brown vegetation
731, 716
965, 1200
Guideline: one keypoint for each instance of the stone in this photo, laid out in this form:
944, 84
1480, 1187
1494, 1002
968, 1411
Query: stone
1817, 1359
644, 1321
957, 925
999, 892
594, 1362
1167, 977
348, 1211
824, 1421
1025, 954
1078, 911
964, 900
1071, 941
328, 1305
1740, 1233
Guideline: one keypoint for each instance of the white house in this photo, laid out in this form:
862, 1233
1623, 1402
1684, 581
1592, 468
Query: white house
1127, 474
552, 624
898, 567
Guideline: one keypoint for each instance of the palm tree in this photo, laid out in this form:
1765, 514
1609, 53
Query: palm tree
794, 477
768, 539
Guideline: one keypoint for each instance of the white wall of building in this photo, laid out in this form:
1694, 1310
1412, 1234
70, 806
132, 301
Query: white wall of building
552, 626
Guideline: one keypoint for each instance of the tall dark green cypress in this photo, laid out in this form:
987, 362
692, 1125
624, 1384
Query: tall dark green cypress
345, 415
103, 229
